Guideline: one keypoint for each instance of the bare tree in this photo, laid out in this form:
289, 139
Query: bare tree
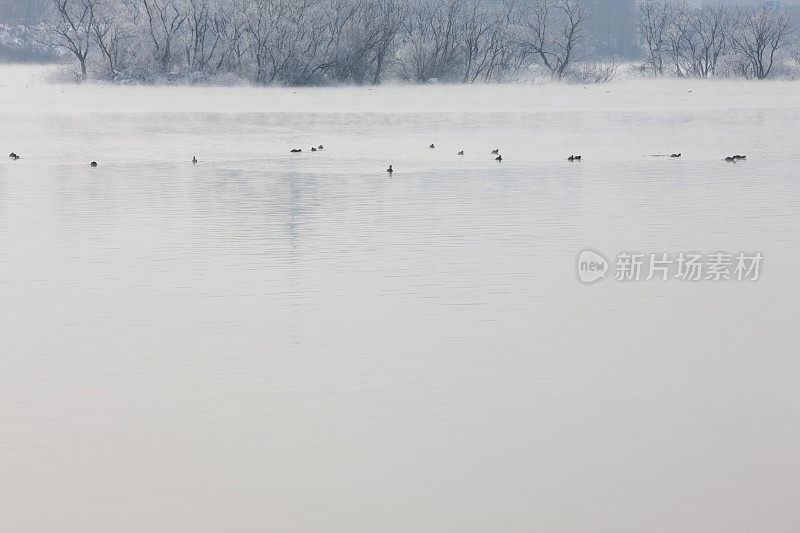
391, 14
285, 40
164, 22
358, 37
594, 72
691, 41
514, 58
678, 40
486, 40
70, 28
200, 39
431, 39
229, 26
260, 34
796, 55
553, 31
477, 25
712, 28
655, 19
110, 31
760, 34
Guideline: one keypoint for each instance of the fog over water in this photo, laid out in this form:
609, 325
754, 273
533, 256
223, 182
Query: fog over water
268, 341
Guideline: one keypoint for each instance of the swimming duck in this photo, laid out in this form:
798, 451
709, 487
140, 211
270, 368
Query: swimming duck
389, 170
496, 151
740, 157
730, 159
295, 150
313, 149
498, 158
13, 156
461, 152
194, 159
675, 155
432, 146
574, 158
320, 147
93, 164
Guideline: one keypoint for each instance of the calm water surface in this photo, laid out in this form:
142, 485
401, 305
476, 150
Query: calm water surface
270, 341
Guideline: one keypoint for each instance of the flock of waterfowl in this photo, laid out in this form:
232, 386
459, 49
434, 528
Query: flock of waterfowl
14, 157
571, 158
496, 152
313, 149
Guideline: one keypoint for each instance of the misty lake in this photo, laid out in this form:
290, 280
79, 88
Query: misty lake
269, 341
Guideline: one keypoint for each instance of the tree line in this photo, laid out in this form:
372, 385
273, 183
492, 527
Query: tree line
745, 41
310, 42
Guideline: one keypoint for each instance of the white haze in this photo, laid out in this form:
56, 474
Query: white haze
298, 342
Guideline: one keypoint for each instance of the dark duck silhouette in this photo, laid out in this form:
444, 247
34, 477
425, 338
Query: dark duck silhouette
194, 159
13, 156
574, 158
738, 157
320, 147
675, 155
93, 164
389, 170
496, 151
432, 146
498, 158
313, 149
461, 152
295, 150
730, 159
